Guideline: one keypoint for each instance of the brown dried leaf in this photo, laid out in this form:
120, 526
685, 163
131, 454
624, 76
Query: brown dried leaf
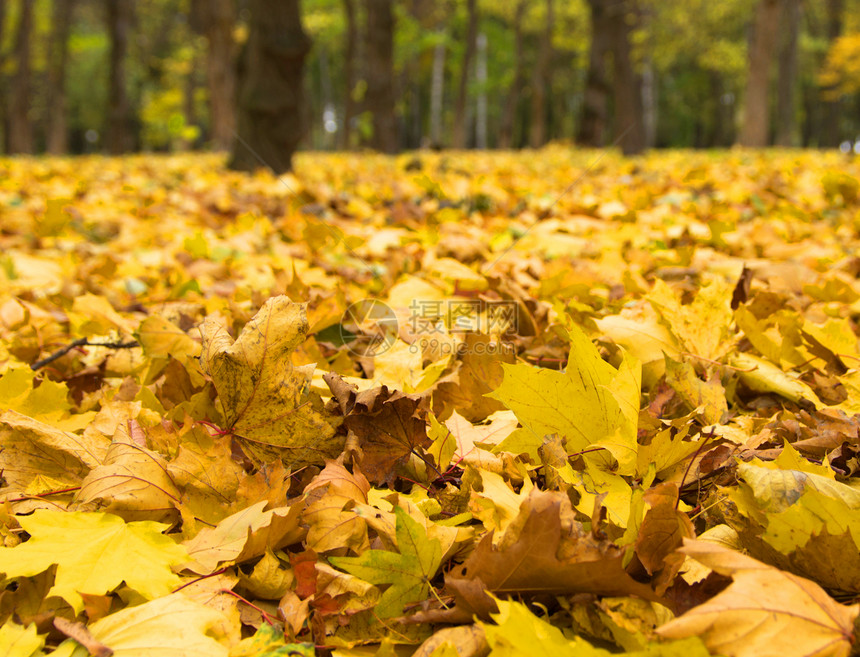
662, 532
544, 551
389, 426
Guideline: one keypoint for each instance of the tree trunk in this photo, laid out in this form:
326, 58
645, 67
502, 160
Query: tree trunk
2, 26
118, 138
217, 19
830, 109
541, 82
756, 122
20, 128
349, 73
3, 93
506, 129
481, 80
437, 89
627, 84
460, 131
380, 98
271, 94
61, 19
649, 103
786, 93
592, 130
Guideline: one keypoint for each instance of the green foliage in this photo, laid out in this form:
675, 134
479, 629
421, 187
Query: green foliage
409, 573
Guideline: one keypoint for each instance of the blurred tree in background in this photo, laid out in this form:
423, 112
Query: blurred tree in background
270, 90
117, 76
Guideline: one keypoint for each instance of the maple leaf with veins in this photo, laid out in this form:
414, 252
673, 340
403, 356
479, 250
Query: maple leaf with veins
389, 425
541, 552
268, 405
409, 573
95, 553
764, 611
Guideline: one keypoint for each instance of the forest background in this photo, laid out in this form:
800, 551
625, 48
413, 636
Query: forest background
81, 76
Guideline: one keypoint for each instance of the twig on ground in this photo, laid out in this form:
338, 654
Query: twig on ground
81, 342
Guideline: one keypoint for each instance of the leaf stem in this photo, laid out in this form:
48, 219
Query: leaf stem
59, 491
200, 579
267, 617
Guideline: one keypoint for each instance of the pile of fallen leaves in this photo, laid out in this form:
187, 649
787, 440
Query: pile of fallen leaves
431, 405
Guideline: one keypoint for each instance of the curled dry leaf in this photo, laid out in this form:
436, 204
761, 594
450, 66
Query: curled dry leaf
464, 640
245, 535
390, 426
662, 531
543, 551
330, 497
133, 482
764, 611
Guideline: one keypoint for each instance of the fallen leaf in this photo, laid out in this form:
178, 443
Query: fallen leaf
709, 339
267, 402
517, 632
801, 521
171, 625
330, 498
31, 448
461, 641
640, 332
95, 553
132, 482
709, 397
762, 376
764, 611
19, 641
662, 531
590, 405
207, 476
244, 535
389, 426
480, 372
538, 555
408, 573
269, 642
41, 399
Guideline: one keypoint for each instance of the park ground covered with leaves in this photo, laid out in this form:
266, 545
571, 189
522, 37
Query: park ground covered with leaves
431, 405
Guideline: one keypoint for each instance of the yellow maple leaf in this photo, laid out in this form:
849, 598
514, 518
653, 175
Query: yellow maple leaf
19, 641
172, 625
95, 553
590, 405
268, 404
764, 611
